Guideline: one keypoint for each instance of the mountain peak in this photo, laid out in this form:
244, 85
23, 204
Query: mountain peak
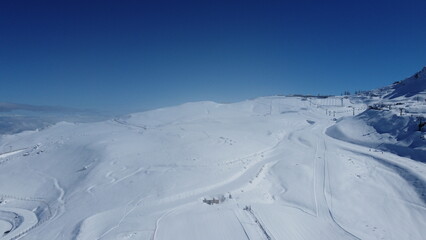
421, 73
411, 86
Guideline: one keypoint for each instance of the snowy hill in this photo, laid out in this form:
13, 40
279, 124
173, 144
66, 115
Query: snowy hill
410, 89
411, 86
394, 122
268, 168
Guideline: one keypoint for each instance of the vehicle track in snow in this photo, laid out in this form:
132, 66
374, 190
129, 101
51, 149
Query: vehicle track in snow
320, 173
158, 221
266, 234
326, 207
128, 210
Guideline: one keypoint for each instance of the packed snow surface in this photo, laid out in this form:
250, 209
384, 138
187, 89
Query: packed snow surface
269, 168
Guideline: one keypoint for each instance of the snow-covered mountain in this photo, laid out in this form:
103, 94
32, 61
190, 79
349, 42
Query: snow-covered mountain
412, 86
269, 168
395, 120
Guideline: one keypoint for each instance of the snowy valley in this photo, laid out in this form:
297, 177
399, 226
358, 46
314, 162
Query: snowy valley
280, 167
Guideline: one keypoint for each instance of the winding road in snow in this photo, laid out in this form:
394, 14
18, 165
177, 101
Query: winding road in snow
15, 222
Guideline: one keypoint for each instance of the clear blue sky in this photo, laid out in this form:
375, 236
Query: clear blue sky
134, 55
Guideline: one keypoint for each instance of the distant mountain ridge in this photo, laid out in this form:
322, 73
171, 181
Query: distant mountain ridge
409, 87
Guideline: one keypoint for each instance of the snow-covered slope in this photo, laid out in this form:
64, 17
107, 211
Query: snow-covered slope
383, 130
394, 122
414, 85
273, 168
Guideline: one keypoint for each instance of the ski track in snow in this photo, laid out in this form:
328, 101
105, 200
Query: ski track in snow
319, 174
129, 209
323, 193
